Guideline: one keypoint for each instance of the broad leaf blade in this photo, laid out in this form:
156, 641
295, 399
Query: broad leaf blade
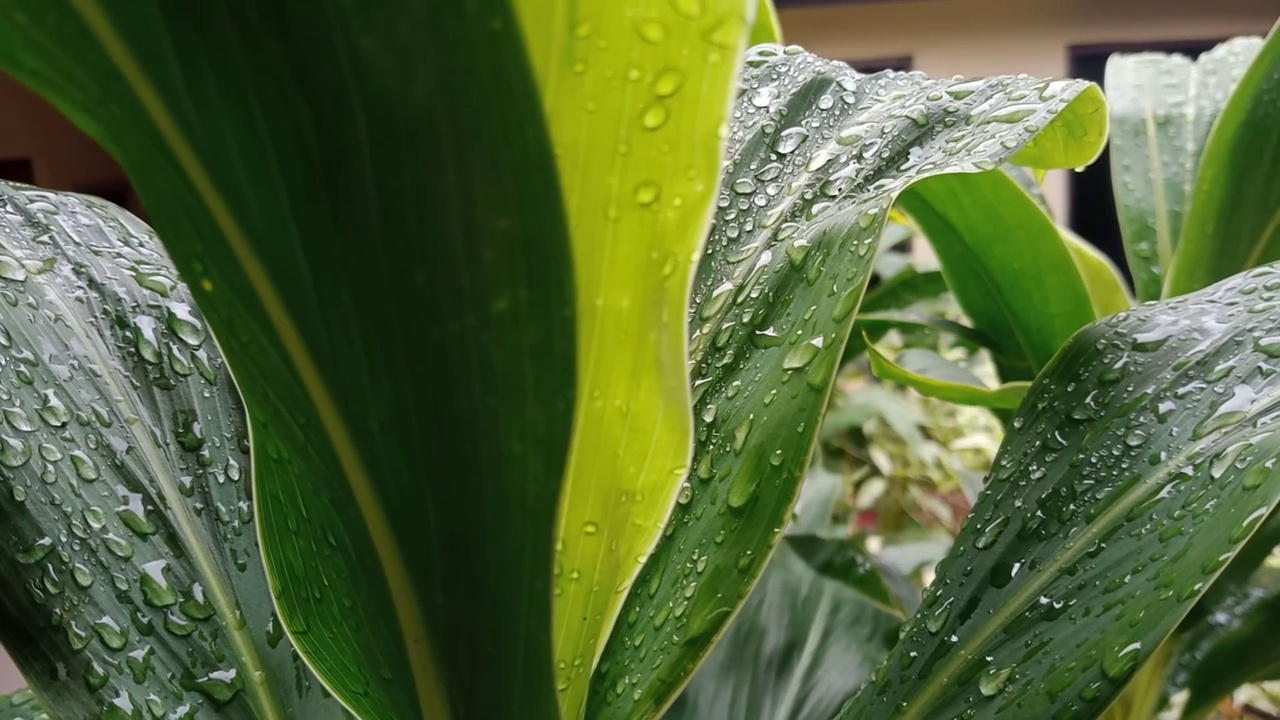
817, 154
633, 100
1004, 260
1234, 647
129, 541
371, 222
803, 641
1234, 223
1162, 109
934, 376
1140, 462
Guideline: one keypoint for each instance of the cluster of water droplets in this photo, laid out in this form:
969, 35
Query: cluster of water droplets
124, 472
816, 154
1136, 468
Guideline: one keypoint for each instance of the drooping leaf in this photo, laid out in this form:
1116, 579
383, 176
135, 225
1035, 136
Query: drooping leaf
817, 154
21, 705
1106, 286
368, 213
1234, 222
1162, 109
1006, 264
934, 376
135, 582
803, 641
904, 289
634, 100
874, 326
1139, 464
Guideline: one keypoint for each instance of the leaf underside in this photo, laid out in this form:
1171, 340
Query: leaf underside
816, 156
1140, 462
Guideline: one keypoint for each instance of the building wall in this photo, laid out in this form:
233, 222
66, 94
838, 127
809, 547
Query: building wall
999, 37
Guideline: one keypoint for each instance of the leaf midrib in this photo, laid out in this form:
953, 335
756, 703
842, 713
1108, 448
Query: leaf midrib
431, 698
1072, 549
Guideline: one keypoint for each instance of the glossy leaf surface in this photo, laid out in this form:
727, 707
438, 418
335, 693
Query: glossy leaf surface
1162, 109
816, 156
21, 705
634, 99
1107, 288
1004, 260
803, 641
367, 211
135, 582
1139, 464
934, 376
1233, 648
1234, 223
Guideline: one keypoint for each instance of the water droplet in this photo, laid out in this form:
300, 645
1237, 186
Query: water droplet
156, 590
111, 633
741, 433
36, 552
184, 324
685, 494
118, 546
81, 575
11, 269
219, 686
654, 116
790, 139
14, 453
194, 605
19, 419
992, 681
85, 468
1118, 662
53, 411
148, 342
651, 31
991, 533
155, 282
668, 82
802, 354
690, 9
762, 96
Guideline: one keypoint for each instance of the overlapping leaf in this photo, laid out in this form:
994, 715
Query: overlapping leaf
367, 211
816, 156
1162, 109
134, 578
1140, 463
21, 705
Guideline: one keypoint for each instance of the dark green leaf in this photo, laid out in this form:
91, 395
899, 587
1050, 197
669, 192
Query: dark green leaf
934, 376
1004, 260
816, 156
130, 547
903, 290
1236, 645
1139, 463
1162, 109
367, 210
874, 326
803, 641
21, 705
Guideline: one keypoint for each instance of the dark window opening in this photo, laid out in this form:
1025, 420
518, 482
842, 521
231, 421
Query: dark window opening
1093, 206
19, 170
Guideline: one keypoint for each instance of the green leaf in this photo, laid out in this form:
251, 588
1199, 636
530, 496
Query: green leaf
816, 155
1232, 649
1108, 291
934, 376
1162, 108
21, 705
130, 547
634, 100
903, 290
1234, 222
765, 28
367, 210
803, 641
1004, 261
1139, 464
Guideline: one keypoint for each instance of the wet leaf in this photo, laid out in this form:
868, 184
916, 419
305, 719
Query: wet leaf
633, 97
816, 156
21, 705
802, 642
129, 543
1140, 463
934, 376
367, 211
1232, 648
1163, 107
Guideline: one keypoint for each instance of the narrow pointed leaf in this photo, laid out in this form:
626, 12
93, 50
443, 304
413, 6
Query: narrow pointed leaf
634, 100
803, 641
934, 376
1108, 513
130, 549
1162, 109
1234, 222
816, 155
765, 28
1005, 262
1233, 648
903, 290
1108, 292
368, 213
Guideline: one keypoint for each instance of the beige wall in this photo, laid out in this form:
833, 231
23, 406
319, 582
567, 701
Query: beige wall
997, 37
